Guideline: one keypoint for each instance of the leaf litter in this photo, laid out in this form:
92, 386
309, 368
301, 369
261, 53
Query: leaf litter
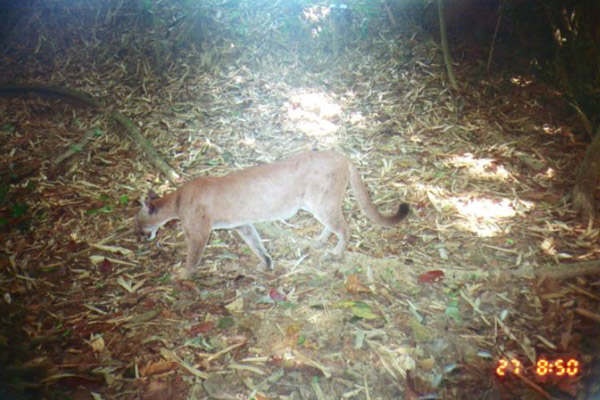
490, 263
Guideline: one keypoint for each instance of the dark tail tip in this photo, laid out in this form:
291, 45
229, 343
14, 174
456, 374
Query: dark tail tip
403, 211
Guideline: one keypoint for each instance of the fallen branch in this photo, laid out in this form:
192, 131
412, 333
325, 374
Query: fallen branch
75, 148
81, 98
566, 271
588, 314
137, 137
50, 90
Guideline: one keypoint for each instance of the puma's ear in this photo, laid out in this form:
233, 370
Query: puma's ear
152, 195
146, 202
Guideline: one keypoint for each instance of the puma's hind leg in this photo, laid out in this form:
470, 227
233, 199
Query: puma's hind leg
323, 237
333, 220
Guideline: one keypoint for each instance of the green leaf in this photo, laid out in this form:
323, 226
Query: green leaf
285, 304
77, 148
98, 132
363, 311
19, 210
146, 5
453, 312
420, 331
8, 128
104, 209
124, 199
225, 323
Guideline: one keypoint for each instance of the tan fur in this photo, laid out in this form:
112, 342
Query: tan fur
312, 181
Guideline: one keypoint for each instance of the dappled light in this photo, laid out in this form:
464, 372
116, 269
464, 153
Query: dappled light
314, 114
483, 168
486, 217
481, 215
521, 81
551, 129
420, 231
316, 16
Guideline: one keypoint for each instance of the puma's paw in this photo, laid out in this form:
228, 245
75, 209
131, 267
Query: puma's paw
269, 263
182, 274
333, 256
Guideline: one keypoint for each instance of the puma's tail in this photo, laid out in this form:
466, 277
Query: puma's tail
367, 206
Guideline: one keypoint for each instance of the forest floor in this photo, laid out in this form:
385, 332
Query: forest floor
474, 275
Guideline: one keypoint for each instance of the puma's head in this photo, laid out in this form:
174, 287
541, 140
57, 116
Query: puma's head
149, 218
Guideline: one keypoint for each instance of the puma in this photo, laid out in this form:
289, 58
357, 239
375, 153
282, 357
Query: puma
312, 181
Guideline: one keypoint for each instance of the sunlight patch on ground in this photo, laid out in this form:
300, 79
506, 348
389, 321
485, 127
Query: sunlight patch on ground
521, 81
313, 113
553, 130
484, 168
484, 216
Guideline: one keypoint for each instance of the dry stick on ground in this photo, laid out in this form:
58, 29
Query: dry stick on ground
85, 99
75, 148
567, 271
390, 14
147, 146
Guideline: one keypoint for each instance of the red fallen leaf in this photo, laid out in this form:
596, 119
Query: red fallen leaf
72, 246
275, 295
187, 286
201, 328
431, 276
106, 267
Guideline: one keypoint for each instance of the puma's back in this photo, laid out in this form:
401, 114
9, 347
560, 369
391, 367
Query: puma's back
270, 191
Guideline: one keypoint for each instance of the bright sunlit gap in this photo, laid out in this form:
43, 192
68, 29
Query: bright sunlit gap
550, 129
316, 15
483, 168
485, 216
521, 81
315, 114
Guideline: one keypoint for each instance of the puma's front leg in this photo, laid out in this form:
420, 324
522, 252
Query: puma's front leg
249, 234
197, 231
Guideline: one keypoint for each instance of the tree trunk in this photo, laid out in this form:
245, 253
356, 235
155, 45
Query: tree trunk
445, 49
586, 181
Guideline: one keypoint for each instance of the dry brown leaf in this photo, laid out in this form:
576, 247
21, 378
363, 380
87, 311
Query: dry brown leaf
354, 285
158, 367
